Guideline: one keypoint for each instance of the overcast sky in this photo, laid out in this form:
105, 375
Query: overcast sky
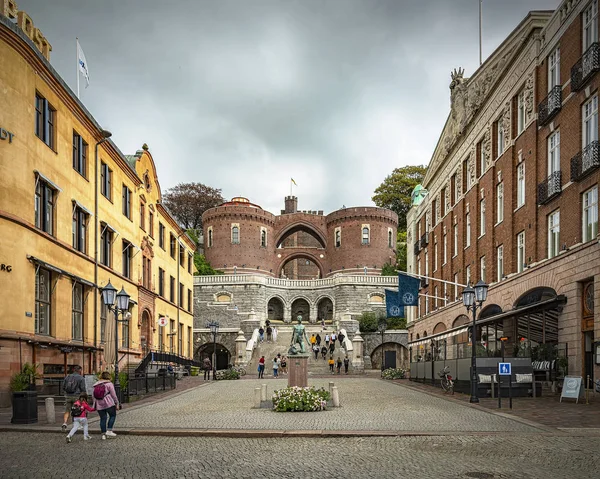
244, 94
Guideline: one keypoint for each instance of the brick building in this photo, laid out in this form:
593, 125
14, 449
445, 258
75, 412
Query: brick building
513, 199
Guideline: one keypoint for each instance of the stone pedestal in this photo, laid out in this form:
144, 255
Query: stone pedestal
298, 370
240, 349
358, 361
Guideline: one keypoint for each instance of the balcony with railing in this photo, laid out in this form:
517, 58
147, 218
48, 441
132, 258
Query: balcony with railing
417, 247
586, 161
424, 240
588, 64
550, 188
424, 282
550, 105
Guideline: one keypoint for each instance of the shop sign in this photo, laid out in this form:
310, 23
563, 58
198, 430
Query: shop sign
6, 135
9, 9
5, 267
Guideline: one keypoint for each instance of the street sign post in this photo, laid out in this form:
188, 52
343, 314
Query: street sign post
505, 369
163, 321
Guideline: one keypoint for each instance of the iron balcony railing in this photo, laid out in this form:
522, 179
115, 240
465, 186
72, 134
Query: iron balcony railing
550, 105
586, 161
588, 64
550, 188
424, 282
424, 240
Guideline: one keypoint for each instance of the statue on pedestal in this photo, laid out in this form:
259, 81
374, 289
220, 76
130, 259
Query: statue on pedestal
298, 337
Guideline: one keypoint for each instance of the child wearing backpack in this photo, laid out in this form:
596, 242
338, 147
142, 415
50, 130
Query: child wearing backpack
79, 412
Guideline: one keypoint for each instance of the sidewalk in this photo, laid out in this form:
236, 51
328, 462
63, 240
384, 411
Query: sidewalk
546, 410
184, 384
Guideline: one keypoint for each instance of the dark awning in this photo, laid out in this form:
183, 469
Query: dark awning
60, 271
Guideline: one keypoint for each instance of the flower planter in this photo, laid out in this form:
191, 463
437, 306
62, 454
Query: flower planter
24, 405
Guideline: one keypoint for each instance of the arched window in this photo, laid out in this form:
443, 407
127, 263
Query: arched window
338, 238
235, 235
365, 235
390, 237
210, 238
263, 238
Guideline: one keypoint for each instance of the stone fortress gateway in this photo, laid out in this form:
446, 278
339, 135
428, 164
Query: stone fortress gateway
298, 263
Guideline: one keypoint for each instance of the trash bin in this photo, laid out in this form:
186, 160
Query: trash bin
24, 404
194, 371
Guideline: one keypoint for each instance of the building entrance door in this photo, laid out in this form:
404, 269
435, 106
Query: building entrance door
588, 358
145, 333
390, 359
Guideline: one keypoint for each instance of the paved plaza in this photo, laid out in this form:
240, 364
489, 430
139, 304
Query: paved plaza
367, 404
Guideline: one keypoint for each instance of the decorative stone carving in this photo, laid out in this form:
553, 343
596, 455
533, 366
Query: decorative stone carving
506, 123
459, 174
447, 197
487, 147
529, 98
471, 169
438, 207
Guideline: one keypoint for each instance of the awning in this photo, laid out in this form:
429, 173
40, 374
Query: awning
60, 271
81, 207
107, 226
50, 182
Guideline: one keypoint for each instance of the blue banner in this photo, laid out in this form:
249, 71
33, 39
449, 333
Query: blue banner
392, 303
408, 290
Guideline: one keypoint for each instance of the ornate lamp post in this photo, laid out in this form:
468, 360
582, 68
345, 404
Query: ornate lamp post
118, 303
214, 329
473, 298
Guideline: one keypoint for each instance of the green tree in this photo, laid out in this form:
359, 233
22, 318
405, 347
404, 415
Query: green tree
401, 254
188, 201
203, 267
395, 191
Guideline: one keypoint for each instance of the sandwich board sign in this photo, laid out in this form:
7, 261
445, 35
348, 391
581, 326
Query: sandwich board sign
504, 369
571, 388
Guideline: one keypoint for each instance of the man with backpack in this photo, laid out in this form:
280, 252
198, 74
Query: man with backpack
73, 386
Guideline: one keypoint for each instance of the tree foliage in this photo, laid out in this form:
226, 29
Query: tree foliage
203, 267
188, 201
394, 193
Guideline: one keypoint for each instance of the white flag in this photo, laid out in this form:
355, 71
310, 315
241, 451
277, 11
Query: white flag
82, 63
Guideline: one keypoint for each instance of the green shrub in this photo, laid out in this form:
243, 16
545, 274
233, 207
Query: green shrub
396, 323
300, 399
123, 379
231, 374
22, 380
394, 373
368, 322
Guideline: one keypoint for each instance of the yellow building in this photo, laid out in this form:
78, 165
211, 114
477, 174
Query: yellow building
75, 213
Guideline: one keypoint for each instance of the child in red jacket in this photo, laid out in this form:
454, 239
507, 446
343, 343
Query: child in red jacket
79, 412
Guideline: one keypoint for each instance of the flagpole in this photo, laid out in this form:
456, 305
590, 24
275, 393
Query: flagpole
291, 187
480, 2
432, 279
77, 63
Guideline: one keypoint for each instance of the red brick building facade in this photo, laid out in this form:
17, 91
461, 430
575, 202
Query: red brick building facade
513, 197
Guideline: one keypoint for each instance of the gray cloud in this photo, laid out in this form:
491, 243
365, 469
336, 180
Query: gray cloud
243, 95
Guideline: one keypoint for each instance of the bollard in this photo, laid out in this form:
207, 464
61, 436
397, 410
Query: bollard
50, 413
335, 397
263, 392
257, 396
331, 386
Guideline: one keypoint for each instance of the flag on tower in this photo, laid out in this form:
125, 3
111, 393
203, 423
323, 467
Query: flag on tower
82, 64
294, 181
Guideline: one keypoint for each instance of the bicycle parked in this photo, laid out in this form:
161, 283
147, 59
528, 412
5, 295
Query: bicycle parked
446, 380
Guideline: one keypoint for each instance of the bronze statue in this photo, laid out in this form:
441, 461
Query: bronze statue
298, 337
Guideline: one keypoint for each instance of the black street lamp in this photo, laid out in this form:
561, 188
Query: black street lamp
119, 303
473, 298
381, 326
214, 329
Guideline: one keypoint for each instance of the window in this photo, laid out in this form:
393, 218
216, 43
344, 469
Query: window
172, 245
338, 237
435, 256
161, 235
482, 268
45, 118
146, 272
443, 202
434, 210
468, 275
172, 289
455, 286
126, 258
390, 239
426, 263
468, 176
500, 202
127, 202
210, 237
365, 235
455, 189
590, 121
180, 297
161, 282
455, 241
103, 317
80, 218
445, 248
42, 301
500, 137
590, 25
235, 235
80, 150
142, 216
445, 294
151, 224
161, 340
263, 238
181, 255
189, 302
172, 332
435, 299
77, 313
553, 233
125, 334
521, 184
106, 240
481, 159
500, 262
189, 343
105, 181
590, 214
190, 262
468, 230
180, 339
554, 152
520, 112
554, 69
44, 206
521, 252
482, 217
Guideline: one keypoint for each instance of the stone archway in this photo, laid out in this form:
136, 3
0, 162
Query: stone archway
315, 266
146, 332
325, 309
223, 356
301, 307
397, 356
275, 309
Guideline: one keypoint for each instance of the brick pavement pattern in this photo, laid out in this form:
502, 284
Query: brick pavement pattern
461, 456
367, 404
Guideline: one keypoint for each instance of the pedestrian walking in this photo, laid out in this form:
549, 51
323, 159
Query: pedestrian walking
339, 365
324, 351
274, 334
261, 334
79, 413
283, 365
316, 350
207, 368
331, 364
346, 364
327, 339
73, 386
318, 338
333, 337
341, 338
323, 324
275, 367
313, 340
106, 403
269, 333
261, 367
331, 347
